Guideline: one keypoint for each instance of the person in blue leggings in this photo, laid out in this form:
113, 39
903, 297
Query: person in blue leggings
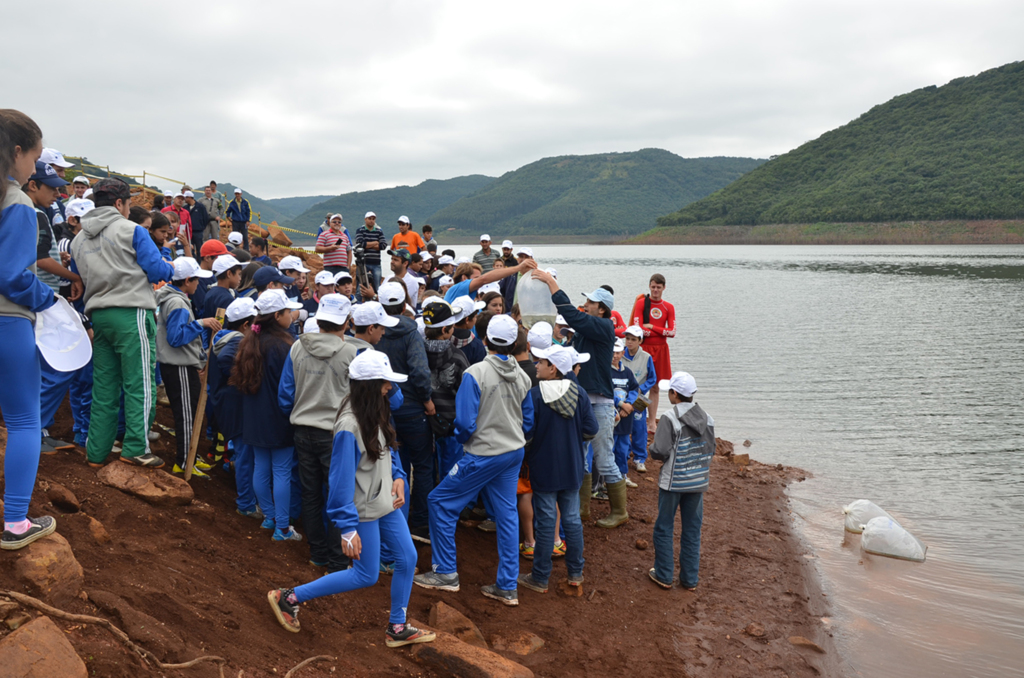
367, 487
22, 295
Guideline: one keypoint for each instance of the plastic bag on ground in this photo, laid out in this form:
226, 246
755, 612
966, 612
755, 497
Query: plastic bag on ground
883, 536
859, 513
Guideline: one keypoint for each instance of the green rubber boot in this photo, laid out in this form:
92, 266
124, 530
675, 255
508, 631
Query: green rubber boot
588, 481
617, 499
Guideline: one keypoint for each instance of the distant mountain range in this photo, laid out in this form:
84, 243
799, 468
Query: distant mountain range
938, 153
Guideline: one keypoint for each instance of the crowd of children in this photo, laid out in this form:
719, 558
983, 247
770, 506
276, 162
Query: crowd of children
380, 410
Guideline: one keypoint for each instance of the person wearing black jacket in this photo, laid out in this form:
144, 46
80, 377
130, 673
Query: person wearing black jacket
200, 217
447, 364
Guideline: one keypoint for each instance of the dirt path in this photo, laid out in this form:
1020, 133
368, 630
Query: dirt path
203, 571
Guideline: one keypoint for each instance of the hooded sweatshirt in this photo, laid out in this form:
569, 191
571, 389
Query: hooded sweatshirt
118, 262
22, 294
563, 422
225, 399
360, 487
493, 407
685, 441
315, 380
178, 334
404, 348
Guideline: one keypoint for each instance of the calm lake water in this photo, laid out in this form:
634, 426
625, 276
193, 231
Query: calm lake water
893, 374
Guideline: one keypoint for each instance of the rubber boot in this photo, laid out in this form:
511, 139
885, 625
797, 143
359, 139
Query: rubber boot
585, 497
617, 499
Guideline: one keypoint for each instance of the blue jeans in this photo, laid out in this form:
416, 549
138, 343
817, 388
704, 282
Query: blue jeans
416, 450
391, 530
638, 445
19, 404
620, 448
544, 517
272, 481
497, 477
604, 456
244, 466
691, 513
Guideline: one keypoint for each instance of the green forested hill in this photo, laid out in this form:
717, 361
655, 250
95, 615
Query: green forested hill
950, 152
293, 207
417, 202
606, 194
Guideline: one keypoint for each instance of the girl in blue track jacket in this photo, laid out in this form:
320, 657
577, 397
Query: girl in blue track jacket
22, 295
367, 486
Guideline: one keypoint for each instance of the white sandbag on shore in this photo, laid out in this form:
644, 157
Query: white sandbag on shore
859, 513
883, 536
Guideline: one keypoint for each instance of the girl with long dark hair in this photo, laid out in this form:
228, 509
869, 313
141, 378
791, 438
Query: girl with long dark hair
256, 373
367, 487
22, 295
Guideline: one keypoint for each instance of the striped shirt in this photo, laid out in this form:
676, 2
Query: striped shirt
338, 257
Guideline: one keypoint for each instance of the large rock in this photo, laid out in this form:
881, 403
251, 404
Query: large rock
49, 567
40, 650
156, 487
279, 236
446, 618
520, 642
449, 656
98, 532
140, 627
62, 498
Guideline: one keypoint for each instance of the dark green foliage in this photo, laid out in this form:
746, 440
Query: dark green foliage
417, 202
609, 194
951, 152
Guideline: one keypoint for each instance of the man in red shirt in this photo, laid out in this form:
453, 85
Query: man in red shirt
178, 207
657, 317
334, 246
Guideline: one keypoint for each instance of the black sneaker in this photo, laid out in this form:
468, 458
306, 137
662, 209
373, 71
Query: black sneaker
510, 598
529, 582
149, 460
55, 443
47, 449
40, 528
421, 533
435, 580
286, 613
408, 636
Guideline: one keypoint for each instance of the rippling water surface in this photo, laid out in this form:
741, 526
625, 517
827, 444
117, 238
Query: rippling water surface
891, 373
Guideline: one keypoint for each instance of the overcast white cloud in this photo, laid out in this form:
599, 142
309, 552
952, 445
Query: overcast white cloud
299, 98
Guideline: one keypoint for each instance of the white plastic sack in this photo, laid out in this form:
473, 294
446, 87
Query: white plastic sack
535, 303
883, 536
859, 513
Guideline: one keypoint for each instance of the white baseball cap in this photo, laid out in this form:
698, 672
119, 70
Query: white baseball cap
235, 238
324, 278
334, 308
292, 263
579, 358
502, 330
618, 346
559, 356
337, 216
372, 313
506, 245
466, 306
426, 256
484, 236
310, 326
444, 260
61, 337
168, 194
445, 280
81, 179
560, 320
78, 207
51, 156
187, 267
238, 190
421, 281
368, 215
682, 383
462, 260
272, 301
189, 194
636, 331
224, 262
373, 365
240, 309
342, 275
539, 335
179, 194
87, 193
552, 272
525, 250
404, 220
391, 293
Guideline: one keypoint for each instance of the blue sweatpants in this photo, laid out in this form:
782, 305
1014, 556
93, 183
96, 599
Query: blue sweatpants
272, 482
244, 465
497, 478
19, 405
392, 530
620, 448
81, 400
53, 387
449, 451
638, 442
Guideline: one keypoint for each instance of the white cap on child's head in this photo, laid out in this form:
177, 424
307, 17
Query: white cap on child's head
682, 383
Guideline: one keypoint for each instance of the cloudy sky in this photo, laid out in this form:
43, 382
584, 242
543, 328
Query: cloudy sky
301, 98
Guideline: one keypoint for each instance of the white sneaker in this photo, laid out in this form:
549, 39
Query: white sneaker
641, 467
630, 483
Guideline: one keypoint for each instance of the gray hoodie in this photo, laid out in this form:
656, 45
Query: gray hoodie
319, 365
685, 441
176, 307
118, 262
498, 420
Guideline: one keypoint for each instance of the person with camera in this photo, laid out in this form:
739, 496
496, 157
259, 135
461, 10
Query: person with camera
370, 242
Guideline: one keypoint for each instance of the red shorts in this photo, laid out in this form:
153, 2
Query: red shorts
662, 360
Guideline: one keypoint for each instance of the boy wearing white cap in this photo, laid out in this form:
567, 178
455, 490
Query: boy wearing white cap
685, 441
642, 365
228, 272
181, 354
625, 391
314, 381
494, 409
292, 267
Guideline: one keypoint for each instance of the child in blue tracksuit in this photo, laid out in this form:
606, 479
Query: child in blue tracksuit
367, 486
22, 295
563, 421
625, 391
493, 411
226, 401
257, 371
642, 365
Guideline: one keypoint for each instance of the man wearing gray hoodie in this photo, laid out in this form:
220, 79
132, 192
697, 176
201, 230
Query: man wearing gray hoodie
119, 263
